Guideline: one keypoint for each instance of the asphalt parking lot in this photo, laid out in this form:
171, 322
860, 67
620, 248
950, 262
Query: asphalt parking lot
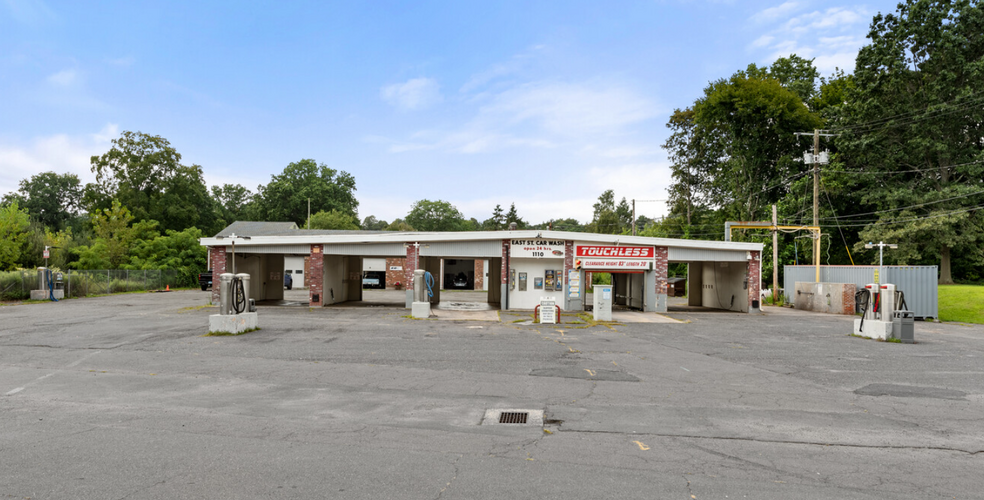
122, 397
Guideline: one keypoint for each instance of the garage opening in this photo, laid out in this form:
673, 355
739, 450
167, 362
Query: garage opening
464, 283
628, 288
710, 286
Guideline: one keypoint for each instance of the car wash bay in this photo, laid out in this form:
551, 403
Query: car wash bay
517, 271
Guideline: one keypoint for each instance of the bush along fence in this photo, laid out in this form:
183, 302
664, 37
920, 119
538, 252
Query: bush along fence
17, 285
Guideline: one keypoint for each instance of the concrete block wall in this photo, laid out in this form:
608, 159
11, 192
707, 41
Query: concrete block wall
217, 259
831, 298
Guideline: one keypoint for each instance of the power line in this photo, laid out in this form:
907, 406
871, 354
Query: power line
914, 219
904, 208
914, 116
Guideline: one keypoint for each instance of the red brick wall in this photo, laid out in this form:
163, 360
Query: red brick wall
847, 298
754, 277
315, 275
307, 271
217, 258
394, 277
505, 262
662, 269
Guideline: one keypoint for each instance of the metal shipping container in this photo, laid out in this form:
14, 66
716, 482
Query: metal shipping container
919, 283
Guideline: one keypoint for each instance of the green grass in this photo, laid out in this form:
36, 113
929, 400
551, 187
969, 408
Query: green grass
961, 303
230, 334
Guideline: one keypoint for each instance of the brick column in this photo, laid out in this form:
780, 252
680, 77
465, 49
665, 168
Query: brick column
479, 274
504, 278
661, 269
316, 277
411, 265
217, 258
753, 273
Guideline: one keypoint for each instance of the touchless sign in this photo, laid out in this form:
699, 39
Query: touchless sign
607, 257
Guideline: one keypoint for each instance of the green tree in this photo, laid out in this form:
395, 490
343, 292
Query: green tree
796, 74
52, 199
606, 219
513, 216
233, 202
913, 123
14, 223
399, 225
177, 250
747, 125
143, 172
334, 219
286, 197
497, 222
113, 238
426, 215
371, 223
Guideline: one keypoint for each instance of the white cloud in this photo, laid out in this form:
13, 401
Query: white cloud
777, 12
64, 78
570, 109
416, 93
832, 36
59, 153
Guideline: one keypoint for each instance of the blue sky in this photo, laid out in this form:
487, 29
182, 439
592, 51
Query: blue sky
541, 104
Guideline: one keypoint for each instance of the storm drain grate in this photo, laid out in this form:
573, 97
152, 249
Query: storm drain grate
513, 417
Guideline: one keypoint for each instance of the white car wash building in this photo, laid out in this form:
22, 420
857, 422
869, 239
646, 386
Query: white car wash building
519, 267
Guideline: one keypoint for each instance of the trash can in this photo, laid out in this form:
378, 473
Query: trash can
903, 325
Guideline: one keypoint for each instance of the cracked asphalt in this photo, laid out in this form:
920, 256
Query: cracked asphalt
123, 397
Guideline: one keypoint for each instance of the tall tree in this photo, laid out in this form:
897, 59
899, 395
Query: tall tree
14, 223
286, 197
606, 219
513, 216
52, 199
426, 215
914, 122
144, 173
233, 200
333, 219
497, 222
371, 223
747, 124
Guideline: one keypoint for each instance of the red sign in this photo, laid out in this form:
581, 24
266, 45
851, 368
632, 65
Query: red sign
45, 253
612, 252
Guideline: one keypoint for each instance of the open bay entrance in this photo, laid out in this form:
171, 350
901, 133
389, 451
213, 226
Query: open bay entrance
629, 289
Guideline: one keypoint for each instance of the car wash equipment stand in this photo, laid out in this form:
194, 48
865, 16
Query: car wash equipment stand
421, 308
236, 311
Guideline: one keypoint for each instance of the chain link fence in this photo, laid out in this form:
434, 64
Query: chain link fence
17, 285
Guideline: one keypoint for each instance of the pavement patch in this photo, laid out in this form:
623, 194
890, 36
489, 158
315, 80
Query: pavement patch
910, 391
586, 374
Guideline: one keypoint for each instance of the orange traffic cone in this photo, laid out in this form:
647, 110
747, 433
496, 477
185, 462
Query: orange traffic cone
168, 289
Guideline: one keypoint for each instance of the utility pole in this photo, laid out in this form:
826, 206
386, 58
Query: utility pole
816, 159
816, 199
775, 256
309, 214
633, 217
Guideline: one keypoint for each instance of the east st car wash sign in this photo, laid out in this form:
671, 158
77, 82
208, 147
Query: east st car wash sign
537, 249
626, 258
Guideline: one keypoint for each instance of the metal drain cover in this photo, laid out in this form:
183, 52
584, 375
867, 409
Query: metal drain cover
513, 416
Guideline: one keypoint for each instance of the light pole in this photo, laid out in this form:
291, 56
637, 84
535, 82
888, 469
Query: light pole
881, 249
233, 237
